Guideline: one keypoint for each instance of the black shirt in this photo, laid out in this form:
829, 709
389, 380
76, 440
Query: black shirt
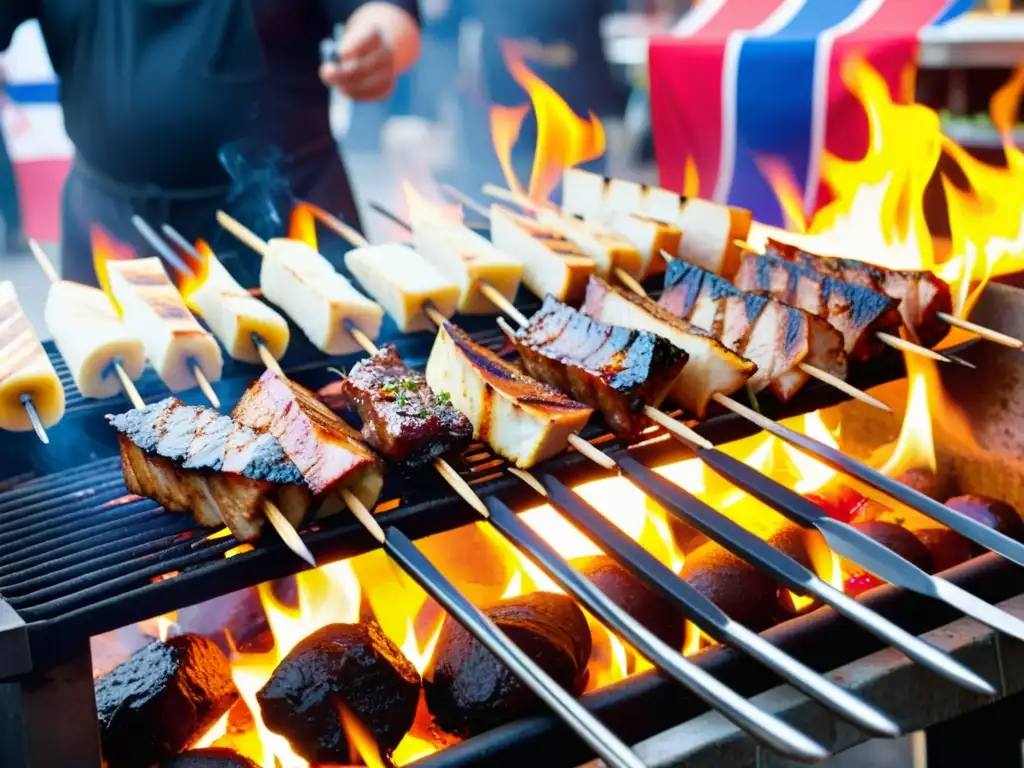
152, 89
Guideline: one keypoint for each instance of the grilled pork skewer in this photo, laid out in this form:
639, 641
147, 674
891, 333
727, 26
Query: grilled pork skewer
922, 295
89, 335
31, 395
179, 349
783, 340
769, 559
193, 459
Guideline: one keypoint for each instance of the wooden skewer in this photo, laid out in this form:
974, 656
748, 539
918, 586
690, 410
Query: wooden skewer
51, 274
981, 331
843, 386
340, 227
204, 385
527, 204
287, 532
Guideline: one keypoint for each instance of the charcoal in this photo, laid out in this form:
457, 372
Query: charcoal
352, 664
991, 512
894, 537
158, 702
468, 690
634, 597
235, 621
211, 757
743, 592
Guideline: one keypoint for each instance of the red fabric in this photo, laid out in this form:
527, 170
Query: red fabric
39, 189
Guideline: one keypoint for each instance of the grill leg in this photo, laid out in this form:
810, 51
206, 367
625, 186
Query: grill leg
48, 719
990, 736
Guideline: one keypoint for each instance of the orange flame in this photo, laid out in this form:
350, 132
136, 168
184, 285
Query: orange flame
106, 248
302, 225
691, 178
189, 284
423, 209
564, 139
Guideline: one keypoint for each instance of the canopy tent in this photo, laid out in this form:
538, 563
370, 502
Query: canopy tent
742, 79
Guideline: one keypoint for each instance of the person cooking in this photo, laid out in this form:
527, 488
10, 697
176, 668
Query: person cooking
156, 92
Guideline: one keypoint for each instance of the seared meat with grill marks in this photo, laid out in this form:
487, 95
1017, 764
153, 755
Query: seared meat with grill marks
192, 459
402, 416
857, 312
617, 370
920, 293
328, 453
711, 369
776, 336
522, 420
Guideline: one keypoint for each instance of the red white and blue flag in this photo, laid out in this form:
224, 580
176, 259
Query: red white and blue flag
739, 79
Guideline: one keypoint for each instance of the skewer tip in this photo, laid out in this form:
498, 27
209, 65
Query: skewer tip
205, 386
287, 532
33, 416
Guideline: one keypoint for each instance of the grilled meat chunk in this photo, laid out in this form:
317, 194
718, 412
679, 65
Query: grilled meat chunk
522, 419
776, 336
617, 370
711, 367
192, 459
403, 419
920, 293
855, 311
328, 453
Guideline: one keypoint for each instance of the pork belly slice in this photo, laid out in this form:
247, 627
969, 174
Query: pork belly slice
403, 418
522, 420
712, 368
617, 370
193, 459
329, 454
775, 336
858, 313
920, 293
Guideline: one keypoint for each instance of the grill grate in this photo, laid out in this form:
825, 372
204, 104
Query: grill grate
80, 556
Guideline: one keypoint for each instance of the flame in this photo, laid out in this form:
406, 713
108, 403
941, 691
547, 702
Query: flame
691, 178
876, 213
302, 225
564, 139
106, 248
189, 284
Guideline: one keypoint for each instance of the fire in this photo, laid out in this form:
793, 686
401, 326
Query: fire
106, 248
691, 178
422, 208
302, 225
564, 139
877, 212
189, 284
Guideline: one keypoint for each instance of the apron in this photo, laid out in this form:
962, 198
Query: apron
223, 59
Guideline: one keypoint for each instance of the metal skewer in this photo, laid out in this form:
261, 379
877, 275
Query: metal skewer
266, 357
127, 385
33, 416
166, 254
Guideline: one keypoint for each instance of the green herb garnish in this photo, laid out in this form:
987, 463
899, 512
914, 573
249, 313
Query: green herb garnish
444, 398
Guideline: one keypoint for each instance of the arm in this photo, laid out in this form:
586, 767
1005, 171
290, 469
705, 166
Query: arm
381, 41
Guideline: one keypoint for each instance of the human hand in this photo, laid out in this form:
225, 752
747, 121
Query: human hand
366, 69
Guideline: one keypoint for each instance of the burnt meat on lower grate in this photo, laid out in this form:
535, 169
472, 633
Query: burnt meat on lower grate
161, 699
469, 691
356, 665
403, 418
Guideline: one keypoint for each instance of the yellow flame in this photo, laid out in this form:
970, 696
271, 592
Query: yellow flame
106, 248
564, 139
189, 284
302, 225
691, 178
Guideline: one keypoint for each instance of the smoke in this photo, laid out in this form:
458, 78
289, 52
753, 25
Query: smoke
259, 194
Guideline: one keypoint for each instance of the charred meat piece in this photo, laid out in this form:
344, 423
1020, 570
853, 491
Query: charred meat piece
403, 419
522, 420
192, 459
711, 368
775, 336
161, 700
855, 311
355, 665
617, 370
329, 454
468, 691
921, 294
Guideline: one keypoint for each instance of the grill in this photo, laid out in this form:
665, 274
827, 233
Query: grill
79, 556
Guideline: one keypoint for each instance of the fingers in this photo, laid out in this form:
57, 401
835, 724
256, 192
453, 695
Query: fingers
365, 69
